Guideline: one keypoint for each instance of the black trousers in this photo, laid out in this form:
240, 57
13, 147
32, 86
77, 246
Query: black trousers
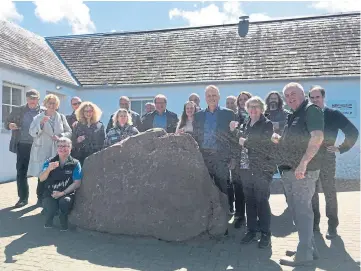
22, 164
327, 180
237, 192
63, 204
256, 188
217, 165
40, 189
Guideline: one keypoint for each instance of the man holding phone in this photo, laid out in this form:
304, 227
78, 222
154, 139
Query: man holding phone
19, 122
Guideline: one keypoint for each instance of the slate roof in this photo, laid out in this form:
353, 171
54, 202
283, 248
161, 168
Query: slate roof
23, 49
299, 47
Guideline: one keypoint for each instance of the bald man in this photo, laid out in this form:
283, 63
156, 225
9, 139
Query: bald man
300, 167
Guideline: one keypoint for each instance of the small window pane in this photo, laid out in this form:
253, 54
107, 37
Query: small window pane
5, 112
16, 98
6, 95
136, 106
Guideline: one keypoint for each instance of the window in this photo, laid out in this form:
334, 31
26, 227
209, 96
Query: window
138, 104
12, 96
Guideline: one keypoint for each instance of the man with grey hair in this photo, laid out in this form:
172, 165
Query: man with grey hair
124, 102
212, 133
194, 97
299, 163
21, 141
231, 103
149, 107
161, 117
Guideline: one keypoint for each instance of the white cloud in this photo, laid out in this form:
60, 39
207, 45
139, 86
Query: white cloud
74, 11
212, 14
8, 11
113, 30
338, 5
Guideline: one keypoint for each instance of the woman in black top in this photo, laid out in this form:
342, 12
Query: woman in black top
257, 169
88, 134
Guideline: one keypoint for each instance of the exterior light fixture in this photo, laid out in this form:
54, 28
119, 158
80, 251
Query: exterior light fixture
243, 26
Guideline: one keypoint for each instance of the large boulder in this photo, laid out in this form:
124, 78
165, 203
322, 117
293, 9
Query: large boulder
152, 184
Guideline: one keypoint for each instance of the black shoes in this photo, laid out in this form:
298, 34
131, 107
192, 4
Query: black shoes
249, 238
63, 222
265, 240
21, 203
48, 225
331, 233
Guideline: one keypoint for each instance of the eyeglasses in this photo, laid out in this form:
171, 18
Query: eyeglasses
76, 103
88, 111
63, 146
51, 103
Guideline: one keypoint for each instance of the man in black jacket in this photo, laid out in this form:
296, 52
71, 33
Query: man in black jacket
299, 161
161, 117
19, 122
334, 121
212, 133
124, 102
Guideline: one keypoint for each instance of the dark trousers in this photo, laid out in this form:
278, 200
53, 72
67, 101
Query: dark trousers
239, 201
40, 189
256, 188
22, 164
327, 180
63, 204
217, 165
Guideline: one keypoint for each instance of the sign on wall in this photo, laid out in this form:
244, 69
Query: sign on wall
348, 108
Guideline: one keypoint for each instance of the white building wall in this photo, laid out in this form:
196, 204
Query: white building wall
346, 89
348, 164
19, 77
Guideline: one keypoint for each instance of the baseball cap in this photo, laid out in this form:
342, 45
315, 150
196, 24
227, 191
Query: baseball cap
32, 93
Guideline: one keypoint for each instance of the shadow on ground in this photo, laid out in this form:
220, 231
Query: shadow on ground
154, 255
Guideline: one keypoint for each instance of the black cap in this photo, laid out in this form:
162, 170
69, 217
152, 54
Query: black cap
32, 93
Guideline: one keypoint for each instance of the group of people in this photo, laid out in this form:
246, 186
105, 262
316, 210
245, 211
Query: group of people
242, 145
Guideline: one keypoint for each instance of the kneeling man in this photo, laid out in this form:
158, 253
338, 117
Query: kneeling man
62, 175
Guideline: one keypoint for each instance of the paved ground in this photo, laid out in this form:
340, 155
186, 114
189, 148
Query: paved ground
26, 245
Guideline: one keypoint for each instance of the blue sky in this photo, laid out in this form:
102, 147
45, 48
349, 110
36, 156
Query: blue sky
65, 17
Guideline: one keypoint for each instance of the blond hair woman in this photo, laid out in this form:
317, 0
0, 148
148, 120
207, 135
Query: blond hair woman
123, 128
88, 134
46, 129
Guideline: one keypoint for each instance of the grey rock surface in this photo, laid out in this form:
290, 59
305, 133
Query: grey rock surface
152, 184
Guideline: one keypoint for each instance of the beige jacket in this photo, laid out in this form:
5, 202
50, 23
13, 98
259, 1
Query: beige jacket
43, 146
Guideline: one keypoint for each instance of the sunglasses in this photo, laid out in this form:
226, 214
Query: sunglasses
76, 103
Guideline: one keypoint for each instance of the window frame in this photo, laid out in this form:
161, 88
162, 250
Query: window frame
22, 98
140, 99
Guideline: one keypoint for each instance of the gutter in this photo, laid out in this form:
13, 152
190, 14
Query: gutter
64, 83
